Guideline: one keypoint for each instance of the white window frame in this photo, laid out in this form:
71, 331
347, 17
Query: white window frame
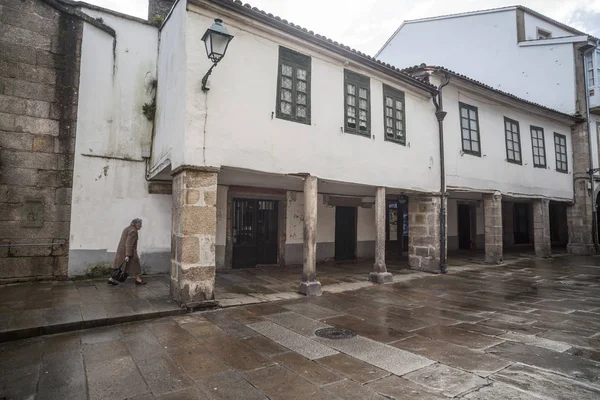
542, 34
591, 64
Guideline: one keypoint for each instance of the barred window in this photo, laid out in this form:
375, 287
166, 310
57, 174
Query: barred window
293, 88
393, 115
357, 103
469, 123
513, 141
560, 148
538, 146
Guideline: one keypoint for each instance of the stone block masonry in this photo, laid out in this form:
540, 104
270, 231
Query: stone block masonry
492, 221
193, 237
541, 228
39, 76
424, 233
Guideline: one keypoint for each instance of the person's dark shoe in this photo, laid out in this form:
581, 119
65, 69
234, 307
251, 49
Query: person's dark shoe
112, 283
140, 282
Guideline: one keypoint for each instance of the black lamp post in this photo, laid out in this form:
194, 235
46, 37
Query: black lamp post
216, 39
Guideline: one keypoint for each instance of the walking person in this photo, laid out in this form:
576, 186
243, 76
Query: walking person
127, 252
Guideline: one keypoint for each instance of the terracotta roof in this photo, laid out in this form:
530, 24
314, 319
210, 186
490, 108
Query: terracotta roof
320, 40
422, 68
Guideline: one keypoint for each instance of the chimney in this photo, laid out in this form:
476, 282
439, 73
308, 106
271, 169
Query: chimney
159, 8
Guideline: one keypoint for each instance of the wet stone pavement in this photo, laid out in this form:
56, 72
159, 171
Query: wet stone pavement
41, 308
528, 330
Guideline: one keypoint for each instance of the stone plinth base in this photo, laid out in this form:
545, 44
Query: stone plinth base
311, 288
381, 277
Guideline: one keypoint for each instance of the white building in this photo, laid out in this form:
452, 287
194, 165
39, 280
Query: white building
522, 52
303, 150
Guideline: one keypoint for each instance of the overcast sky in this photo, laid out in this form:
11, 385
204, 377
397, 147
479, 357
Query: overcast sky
366, 24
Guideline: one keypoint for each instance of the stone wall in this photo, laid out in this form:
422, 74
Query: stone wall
193, 236
159, 7
424, 233
39, 77
492, 222
579, 215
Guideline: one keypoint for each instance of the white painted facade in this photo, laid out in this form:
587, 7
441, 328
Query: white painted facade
485, 47
492, 172
239, 131
109, 188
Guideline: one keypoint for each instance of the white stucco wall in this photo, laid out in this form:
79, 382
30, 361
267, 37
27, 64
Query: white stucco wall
169, 139
491, 171
532, 23
109, 192
484, 47
238, 130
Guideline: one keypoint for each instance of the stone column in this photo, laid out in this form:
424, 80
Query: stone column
492, 219
541, 228
309, 285
194, 230
380, 274
424, 233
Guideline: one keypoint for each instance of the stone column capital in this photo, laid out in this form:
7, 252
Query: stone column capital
194, 168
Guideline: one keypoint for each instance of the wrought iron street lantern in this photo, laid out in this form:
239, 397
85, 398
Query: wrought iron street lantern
216, 39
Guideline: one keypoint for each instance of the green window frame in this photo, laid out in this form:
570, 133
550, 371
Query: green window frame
293, 86
469, 127
560, 148
394, 115
538, 146
512, 137
357, 103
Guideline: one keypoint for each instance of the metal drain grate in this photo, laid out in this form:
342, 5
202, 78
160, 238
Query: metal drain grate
335, 333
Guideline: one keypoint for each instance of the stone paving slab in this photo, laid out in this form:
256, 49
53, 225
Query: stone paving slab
470, 360
560, 363
546, 384
308, 348
500, 391
388, 358
399, 388
446, 380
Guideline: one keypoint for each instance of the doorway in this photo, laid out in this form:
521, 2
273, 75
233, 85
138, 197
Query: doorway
396, 228
521, 222
559, 234
254, 232
464, 227
345, 233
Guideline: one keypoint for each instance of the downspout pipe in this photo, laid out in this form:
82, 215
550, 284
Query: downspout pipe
584, 56
440, 114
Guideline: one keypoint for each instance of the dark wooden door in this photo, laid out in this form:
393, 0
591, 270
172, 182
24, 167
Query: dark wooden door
254, 232
345, 233
521, 223
464, 227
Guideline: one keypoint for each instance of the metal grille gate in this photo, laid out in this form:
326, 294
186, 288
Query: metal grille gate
254, 230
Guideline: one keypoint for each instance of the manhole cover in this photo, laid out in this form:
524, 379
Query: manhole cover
335, 333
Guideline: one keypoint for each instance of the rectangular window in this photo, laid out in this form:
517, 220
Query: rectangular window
589, 64
357, 103
538, 146
513, 141
560, 147
597, 59
469, 123
543, 34
394, 117
293, 86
